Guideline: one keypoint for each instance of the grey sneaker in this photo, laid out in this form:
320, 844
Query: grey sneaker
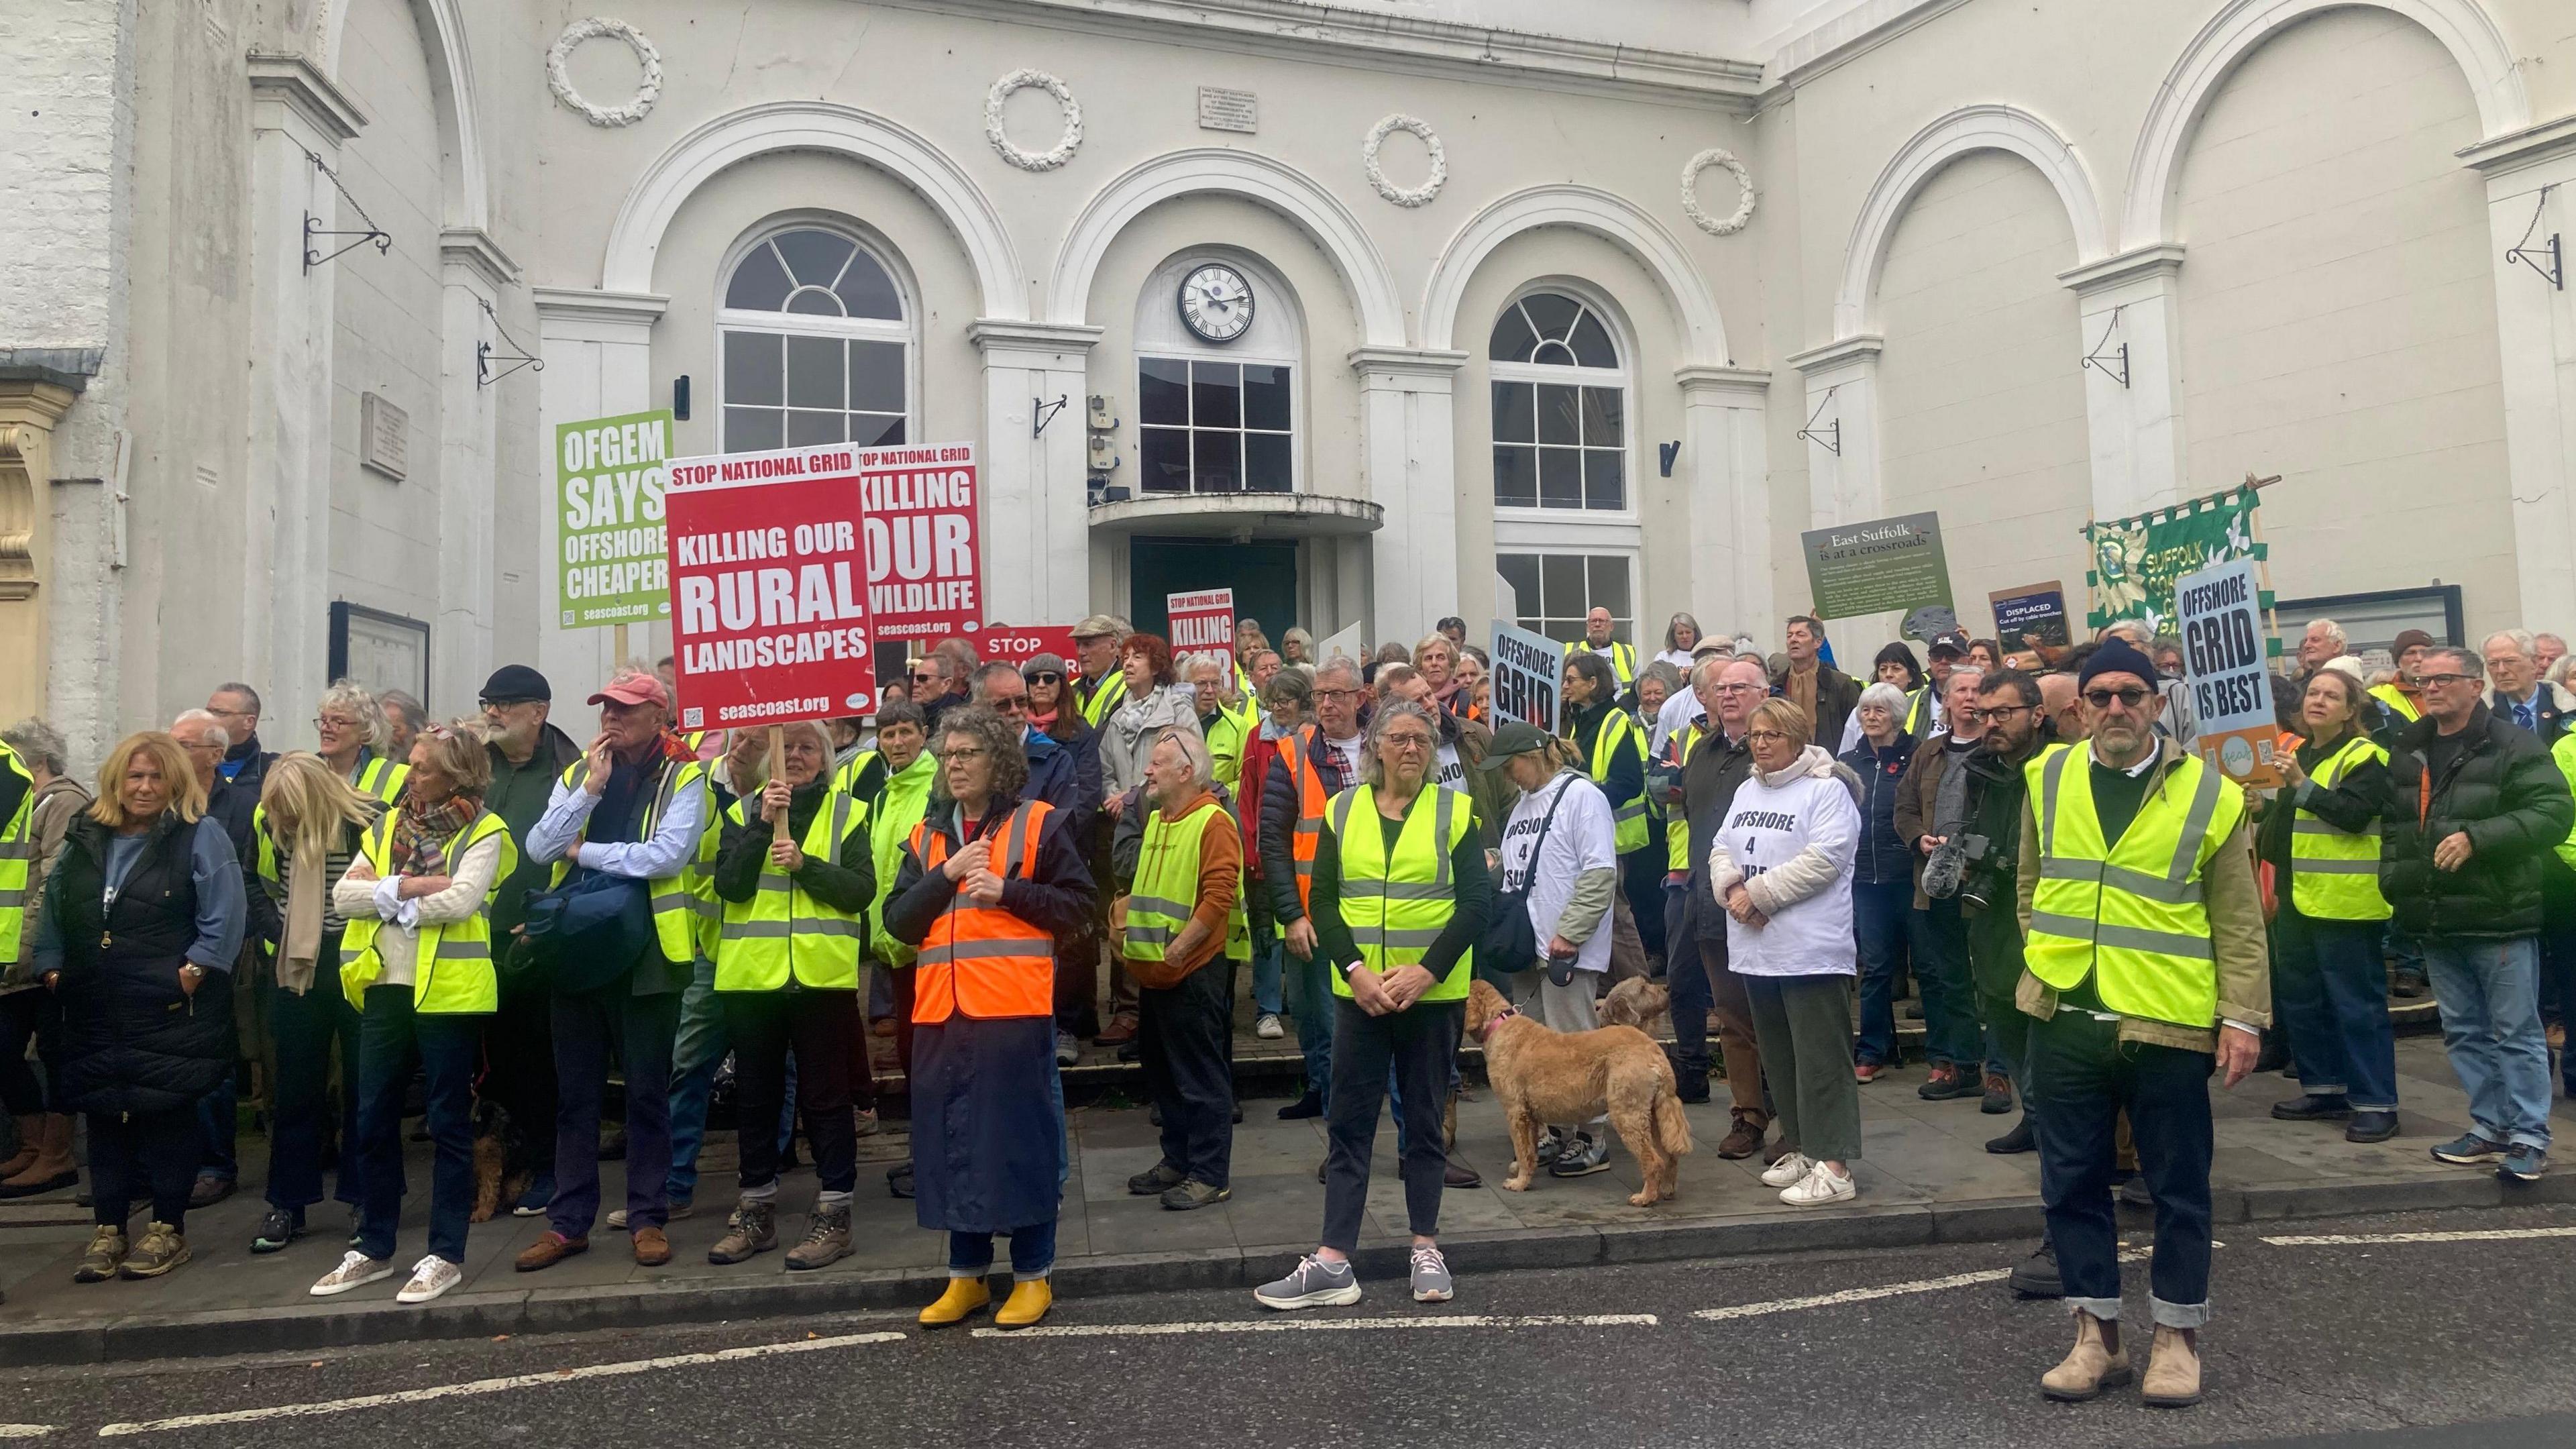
1314, 1284
1068, 1052
1431, 1277
1582, 1157
1551, 1146
1195, 1194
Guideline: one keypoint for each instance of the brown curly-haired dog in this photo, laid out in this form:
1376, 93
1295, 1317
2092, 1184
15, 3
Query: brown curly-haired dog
1634, 1002
1544, 1076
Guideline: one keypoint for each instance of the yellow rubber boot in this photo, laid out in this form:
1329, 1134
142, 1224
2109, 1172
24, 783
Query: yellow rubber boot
1030, 1301
955, 1306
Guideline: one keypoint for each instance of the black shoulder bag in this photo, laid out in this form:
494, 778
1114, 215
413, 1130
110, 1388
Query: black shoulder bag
1511, 942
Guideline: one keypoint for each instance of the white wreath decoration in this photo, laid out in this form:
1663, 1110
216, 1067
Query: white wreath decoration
1717, 226
1027, 160
559, 73
1405, 195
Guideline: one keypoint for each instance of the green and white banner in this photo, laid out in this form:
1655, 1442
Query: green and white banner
2137, 561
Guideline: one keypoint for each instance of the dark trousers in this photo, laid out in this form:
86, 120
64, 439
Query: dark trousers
2332, 990
1641, 879
1077, 980
2087, 1078
2558, 951
1882, 915
519, 1042
143, 1154
308, 1029
30, 1015
1418, 1045
903, 1024
1685, 979
639, 1030
1951, 1036
763, 1026
1692, 954
1183, 1042
391, 1039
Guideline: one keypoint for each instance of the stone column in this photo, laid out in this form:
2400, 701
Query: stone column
1725, 454
475, 272
297, 114
2133, 301
2536, 333
1036, 517
29, 408
1408, 450
598, 348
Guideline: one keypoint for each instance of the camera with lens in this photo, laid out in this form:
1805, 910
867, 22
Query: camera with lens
1949, 872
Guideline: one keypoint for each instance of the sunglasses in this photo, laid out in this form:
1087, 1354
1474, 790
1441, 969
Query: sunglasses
1045, 676
2101, 698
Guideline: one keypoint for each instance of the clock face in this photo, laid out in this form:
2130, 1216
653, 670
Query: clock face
1216, 303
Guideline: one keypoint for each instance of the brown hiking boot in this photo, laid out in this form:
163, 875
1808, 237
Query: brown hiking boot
549, 1249
163, 1249
106, 1253
2091, 1366
827, 1241
652, 1248
31, 1136
753, 1228
1746, 1137
2173, 1370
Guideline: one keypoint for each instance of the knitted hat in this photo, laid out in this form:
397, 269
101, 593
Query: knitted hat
2117, 656
2409, 640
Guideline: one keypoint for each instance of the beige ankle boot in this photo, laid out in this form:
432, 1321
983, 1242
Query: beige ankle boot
2089, 1368
31, 1135
53, 1170
2173, 1370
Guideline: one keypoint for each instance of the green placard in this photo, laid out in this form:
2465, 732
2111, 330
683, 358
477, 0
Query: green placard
2136, 560
1870, 568
613, 566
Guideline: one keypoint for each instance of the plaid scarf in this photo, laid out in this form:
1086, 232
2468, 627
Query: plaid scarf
421, 833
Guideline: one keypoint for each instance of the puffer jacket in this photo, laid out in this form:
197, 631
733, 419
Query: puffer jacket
1884, 855
133, 1041
2507, 795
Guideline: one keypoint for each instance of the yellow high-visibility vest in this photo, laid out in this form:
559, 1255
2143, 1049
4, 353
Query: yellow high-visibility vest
2334, 874
782, 931
1629, 815
685, 918
451, 969
1396, 904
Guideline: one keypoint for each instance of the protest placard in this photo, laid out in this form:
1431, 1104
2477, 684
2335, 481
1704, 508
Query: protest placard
1016, 645
770, 613
2033, 612
609, 477
924, 542
1526, 670
1202, 621
1868, 568
2219, 615
1342, 643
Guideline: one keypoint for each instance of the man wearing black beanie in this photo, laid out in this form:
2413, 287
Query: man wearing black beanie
2146, 967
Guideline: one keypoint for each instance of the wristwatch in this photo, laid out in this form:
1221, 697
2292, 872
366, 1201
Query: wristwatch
193, 971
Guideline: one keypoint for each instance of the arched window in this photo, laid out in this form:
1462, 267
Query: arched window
816, 346
1560, 408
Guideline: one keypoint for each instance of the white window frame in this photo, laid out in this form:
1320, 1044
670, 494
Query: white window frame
1213, 353
1548, 520
803, 324
1583, 549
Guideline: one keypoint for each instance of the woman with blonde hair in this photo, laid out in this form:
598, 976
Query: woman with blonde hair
310, 825
418, 954
1436, 660
351, 726
1297, 647
144, 906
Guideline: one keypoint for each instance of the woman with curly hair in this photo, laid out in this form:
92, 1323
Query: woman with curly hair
988, 881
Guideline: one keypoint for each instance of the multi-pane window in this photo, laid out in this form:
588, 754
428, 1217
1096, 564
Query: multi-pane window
1552, 592
815, 346
1214, 427
1560, 408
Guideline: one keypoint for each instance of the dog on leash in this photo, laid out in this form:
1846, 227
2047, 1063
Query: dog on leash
1634, 1002
1543, 1076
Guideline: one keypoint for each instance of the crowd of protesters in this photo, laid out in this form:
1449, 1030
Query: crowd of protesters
493, 917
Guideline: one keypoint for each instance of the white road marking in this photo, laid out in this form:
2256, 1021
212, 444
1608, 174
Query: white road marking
1327, 1325
1864, 1295
2480, 1235
25, 1431
495, 1386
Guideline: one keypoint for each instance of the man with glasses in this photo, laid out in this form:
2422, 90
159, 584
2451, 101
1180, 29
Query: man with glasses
1102, 687
1715, 766
203, 740
1619, 654
1317, 761
528, 754
2517, 694
2146, 969
236, 707
2462, 869
1931, 806
1052, 775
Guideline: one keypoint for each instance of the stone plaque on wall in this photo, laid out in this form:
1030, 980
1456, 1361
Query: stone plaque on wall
1225, 110
384, 436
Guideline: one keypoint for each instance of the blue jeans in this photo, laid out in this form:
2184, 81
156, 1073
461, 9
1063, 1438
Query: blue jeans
219, 1123
1951, 1036
2331, 989
2087, 1078
1882, 913
390, 1037
1269, 958
970, 1255
696, 1052
1310, 997
2489, 993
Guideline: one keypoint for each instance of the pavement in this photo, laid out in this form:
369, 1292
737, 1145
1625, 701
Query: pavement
1925, 1179
2442, 1330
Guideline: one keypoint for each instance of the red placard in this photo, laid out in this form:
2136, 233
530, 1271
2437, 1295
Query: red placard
925, 546
1006, 644
1202, 620
769, 602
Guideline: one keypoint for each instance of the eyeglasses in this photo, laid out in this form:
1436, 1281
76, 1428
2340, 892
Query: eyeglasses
488, 703
336, 722
1994, 715
1045, 676
2429, 680
1738, 688
1324, 694
965, 752
1408, 741
923, 676
2101, 698
1756, 737
1009, 703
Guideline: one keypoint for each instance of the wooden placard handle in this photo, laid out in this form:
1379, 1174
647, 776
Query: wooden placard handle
778, 771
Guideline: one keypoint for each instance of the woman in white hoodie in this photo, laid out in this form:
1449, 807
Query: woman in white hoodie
1782, 866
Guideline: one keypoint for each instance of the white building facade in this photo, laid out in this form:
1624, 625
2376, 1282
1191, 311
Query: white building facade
1375, 310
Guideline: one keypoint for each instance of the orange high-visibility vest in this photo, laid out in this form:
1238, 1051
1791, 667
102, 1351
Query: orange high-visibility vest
1293, 752
981, 961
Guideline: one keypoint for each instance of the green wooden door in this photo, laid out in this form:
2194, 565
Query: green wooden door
1262, 575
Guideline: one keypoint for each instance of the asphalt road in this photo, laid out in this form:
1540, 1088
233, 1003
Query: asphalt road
2383, 1345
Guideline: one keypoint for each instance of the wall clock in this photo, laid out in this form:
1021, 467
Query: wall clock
1216, 303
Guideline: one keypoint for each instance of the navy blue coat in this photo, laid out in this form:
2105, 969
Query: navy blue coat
1883, 855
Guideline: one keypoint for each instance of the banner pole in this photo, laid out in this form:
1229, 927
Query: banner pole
617, 649
778, 771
